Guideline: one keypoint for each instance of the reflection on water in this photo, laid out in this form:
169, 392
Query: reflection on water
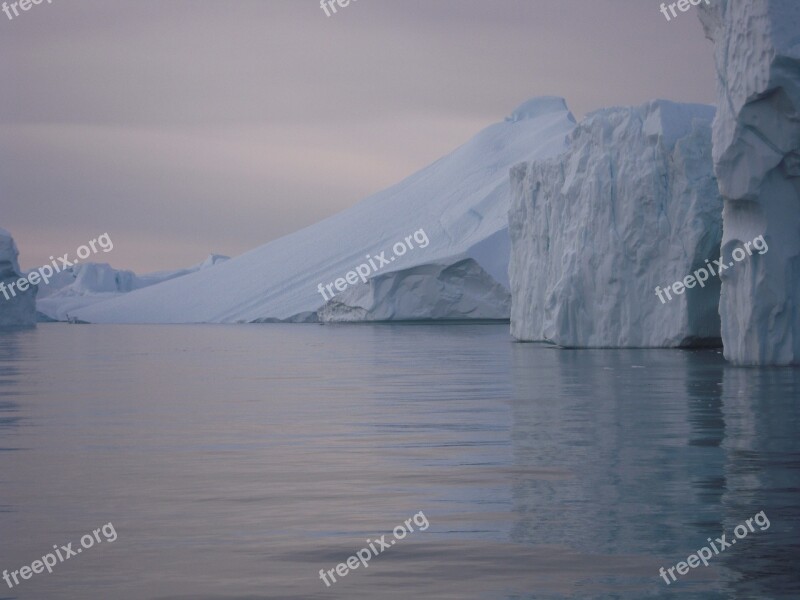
237, 461
9, 408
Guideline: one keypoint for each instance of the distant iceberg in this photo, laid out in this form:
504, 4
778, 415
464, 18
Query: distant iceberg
18, 309
757, 162
89, 283
631, 205
462, 203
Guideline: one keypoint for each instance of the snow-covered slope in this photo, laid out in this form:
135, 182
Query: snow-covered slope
90, 283
631, 205
757, 163
19, 308
461, 201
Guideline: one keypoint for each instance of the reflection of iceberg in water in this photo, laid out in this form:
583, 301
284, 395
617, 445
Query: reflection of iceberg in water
9, 373
762, 472
9, 409
636, 436
649, 453
705, 469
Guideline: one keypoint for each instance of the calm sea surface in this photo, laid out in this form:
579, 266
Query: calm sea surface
235, 462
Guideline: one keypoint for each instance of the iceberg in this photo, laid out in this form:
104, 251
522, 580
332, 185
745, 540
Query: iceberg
17, 309
630, 206
756, 137
461, 201
89, 283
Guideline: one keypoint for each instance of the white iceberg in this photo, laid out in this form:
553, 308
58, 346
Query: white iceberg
631, 205
17, 308
757, 162
89, 283
461, 201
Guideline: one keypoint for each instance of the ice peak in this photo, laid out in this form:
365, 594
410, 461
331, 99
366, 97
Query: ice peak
213, 259
536, 107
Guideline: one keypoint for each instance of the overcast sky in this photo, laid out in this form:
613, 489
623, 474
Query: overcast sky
188, 127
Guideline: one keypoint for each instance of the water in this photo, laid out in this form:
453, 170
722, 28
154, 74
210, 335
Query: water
235, 462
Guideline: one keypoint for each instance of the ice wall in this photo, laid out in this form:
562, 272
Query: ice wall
757, 162
442, 291
19, 308
631, 205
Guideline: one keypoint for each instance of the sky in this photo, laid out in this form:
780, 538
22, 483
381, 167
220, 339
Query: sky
191, 127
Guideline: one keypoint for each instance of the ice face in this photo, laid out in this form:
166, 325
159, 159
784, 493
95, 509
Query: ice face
756, 159
446, 291
632, 205
17, 308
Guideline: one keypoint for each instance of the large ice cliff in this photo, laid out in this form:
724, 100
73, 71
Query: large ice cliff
631, 205
757, 162
17, 308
